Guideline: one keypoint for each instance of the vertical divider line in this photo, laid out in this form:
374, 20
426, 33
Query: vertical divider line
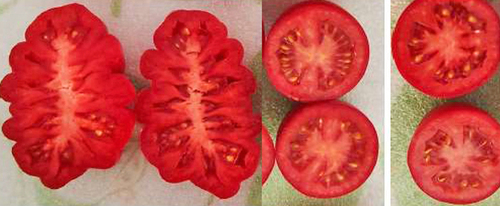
387, 103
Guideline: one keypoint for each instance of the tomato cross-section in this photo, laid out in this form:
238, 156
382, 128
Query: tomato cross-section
315, 51
199, 123
326, 149
68, 97
454, 154
447, 48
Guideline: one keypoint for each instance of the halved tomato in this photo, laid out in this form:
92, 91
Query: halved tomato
315, 51
326, 149
199, 123
454, 154
447, 48
68, 95
268, 157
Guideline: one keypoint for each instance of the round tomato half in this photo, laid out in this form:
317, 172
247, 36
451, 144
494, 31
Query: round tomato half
199, 123
268, 157
454, 154
447, 48
326, 149
68, 97
315, 51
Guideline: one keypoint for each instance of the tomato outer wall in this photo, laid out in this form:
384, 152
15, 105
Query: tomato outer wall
439, 114
402, 61
268, 154
296, 115
358, 67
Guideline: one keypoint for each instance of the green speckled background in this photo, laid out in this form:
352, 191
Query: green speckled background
408, 108
133, 181
367, 96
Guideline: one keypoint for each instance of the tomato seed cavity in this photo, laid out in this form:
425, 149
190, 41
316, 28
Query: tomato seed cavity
96, 124
174, 137
231, 153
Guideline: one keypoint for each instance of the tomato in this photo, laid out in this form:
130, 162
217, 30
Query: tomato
315, 51
68, 97
268, 157
453, 155
199, 123
447, 48
326, 149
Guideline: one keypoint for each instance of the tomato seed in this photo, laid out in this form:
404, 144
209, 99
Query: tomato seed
284, 47
292, 77
418, 59
98, 132
230, 158
464, 183
472, 19
445, 13
320, 123
74, 34
357, 136
344, 126
185, 31
331, 82
427, 159
233, 149
441, 178
340, 177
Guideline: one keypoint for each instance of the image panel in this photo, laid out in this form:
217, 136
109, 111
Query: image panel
323, 103
123, 102
444, 102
